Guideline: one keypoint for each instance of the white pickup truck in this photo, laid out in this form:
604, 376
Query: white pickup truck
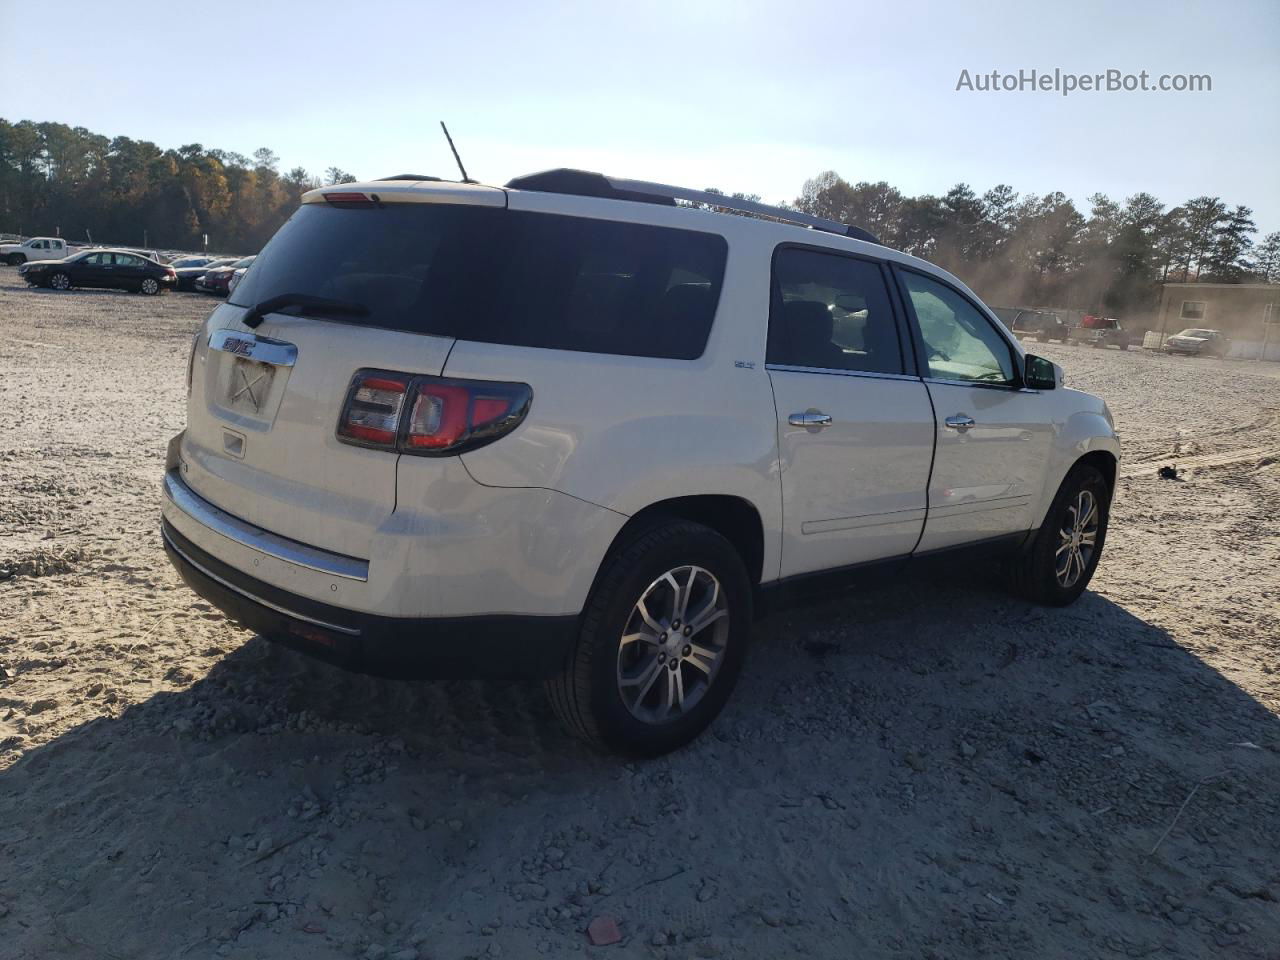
37, 248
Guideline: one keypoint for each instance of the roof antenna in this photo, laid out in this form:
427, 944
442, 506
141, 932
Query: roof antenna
465, 178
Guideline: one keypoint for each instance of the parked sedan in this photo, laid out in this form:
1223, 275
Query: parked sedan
189, 272
217, 280
1198, 342
110, 269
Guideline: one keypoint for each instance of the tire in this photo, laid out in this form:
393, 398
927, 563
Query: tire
589, 693
60, 281
150, 286
15, 260
1036, 572
1124, 346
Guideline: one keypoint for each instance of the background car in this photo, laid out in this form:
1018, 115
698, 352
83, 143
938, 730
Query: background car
189, 273
1198, 342
1097, 331
1042, 325
218, 280
109, 269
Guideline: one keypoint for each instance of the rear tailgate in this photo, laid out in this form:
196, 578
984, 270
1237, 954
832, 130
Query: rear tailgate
260, 440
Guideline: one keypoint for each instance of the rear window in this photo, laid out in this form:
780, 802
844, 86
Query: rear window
502, 276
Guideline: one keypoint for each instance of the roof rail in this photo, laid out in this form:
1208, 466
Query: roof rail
407, 176
588, 184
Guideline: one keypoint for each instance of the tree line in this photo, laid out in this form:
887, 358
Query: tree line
1028, 249
85, 186
1014, 249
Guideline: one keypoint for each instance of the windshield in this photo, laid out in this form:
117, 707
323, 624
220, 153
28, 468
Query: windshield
500, 276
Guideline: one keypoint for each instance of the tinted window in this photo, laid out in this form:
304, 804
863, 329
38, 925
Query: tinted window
831, 312
959, 342
502, 276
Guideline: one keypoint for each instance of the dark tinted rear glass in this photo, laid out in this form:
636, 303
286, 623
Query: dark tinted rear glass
502, 276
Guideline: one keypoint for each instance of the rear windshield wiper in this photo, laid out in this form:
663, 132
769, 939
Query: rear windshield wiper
319, 304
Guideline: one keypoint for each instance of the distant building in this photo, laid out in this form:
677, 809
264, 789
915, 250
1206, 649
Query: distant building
1248, 313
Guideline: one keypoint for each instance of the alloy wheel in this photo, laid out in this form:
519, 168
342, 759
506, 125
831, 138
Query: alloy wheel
149, 286
1077, 539
60, 281
673, 645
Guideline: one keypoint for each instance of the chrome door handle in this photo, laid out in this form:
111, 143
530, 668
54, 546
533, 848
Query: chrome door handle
959, 422
810, 418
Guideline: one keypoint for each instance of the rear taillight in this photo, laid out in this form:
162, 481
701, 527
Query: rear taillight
429, 416
350, 199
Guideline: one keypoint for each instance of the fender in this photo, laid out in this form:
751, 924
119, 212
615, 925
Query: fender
1085, 431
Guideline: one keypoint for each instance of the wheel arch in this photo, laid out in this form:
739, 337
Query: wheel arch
734, 518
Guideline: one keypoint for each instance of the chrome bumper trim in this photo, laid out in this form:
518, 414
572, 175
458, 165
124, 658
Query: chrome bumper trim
254, 597
255, 538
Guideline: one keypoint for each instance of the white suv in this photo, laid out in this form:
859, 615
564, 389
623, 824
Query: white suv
575, 429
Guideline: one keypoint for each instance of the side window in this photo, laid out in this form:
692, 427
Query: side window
124, 260
832, 312
959, 342
94, 259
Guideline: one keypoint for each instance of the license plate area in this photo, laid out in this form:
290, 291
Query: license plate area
248, 377
249, 386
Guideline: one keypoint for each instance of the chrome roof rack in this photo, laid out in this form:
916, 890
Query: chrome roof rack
588, 184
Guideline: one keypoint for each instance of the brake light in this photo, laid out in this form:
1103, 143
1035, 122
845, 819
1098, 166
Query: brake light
349, 199
429, 416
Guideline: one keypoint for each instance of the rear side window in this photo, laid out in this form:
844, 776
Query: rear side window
831, 312
502, 276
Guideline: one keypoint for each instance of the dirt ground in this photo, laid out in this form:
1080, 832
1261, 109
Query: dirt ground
931, 769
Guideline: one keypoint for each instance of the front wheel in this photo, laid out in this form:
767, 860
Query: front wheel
1060, 561
661, 643
15, 260
150, 286
60, 281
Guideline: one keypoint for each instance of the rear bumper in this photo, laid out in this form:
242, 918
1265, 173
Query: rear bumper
527, 646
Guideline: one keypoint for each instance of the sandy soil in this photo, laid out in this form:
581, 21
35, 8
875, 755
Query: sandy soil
932, 770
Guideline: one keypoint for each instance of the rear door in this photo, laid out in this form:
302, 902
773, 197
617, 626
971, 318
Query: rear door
129, 271
855, 428
261, 441
993, 435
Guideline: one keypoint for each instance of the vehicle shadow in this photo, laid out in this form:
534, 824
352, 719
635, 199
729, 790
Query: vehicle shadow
931, 768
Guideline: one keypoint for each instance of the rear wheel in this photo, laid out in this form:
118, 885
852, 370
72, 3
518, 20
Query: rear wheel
60, 281
661, 643
1059, 562
150, 286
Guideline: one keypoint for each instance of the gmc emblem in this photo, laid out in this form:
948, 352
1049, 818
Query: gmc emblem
241, 348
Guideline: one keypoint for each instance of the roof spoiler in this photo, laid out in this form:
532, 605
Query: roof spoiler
584, 183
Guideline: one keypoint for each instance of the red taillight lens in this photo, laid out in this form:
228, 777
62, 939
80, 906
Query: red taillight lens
371, 415
429, 416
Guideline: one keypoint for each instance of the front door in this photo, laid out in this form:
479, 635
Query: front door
993, 435
855, 430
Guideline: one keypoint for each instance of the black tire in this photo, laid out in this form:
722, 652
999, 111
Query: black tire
15, 260
1032, 573
60, 281
1124, 346
149, 286
585, 692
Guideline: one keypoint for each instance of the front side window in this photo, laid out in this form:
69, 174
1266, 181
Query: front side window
1192, 310
501, 276
959, 342
831, 312
96, 259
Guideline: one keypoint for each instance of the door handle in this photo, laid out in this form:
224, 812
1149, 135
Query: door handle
959, 422
813, 419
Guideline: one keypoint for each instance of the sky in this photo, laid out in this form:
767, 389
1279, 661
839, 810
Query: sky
743, 96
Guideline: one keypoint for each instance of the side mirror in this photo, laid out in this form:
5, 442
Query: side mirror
1039, 373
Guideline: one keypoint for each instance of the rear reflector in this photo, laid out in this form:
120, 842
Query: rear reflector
429, 416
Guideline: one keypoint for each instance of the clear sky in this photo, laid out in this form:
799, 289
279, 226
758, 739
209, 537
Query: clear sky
741, 95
